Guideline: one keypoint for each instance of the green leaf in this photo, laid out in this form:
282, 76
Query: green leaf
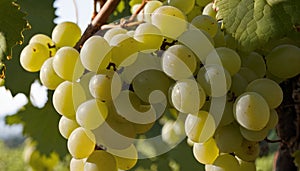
42, 126
254, 23
12, 25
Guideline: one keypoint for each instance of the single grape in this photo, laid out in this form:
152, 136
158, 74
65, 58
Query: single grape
33, 56
81, 143
112, 32
225, 162
77, 164
238, 84
247, 166
85, 82
126, 158
255, 62
203, 3
197, 10
48, 76
66, 34
100, 160
183, 5
45, 40
149, 8
248, 74
205, 23
248, 151
209, 10
149, 35
66, 126
206, 152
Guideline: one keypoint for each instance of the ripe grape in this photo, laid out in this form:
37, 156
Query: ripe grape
205, 23
112, 32
225, 162
183, 5
48, 76
238, 84
66, 126
126, 158
255, 62
66, 34
149, 35
209, 10
45, 40
247, 74
173, 132
77, 164
248, 151
206, 152
100, 160
149, 8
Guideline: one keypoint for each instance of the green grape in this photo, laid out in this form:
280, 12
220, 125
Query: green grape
133, 10
284, 61
251, 111
94, 58
33, 56
230, 41
67, 65
195, 12
200, 127
149, 35
209, 10
141, 128
199, 42
114, 134
205, 23
77, 164
219, 38
84, 82
130, 33
206, 152
183, 5
273, 121
227, 116
151, 86
226, 57
100, 160
112, 32
268, 89
274, 78
166, 18
214, 79
248, 74
126, 158
238, 84
255, 62
254, 135
179, 62
248, 151
67, 97
48, 76
247, 166
66, 126
188, 96
228, 138
66, 34
149, 8
105, 86
225, 162
81, 143
91, 114
124, 49
45, 40
173, 132
203, 3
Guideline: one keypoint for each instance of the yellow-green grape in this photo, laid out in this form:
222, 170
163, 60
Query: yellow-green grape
93, 57
273, 121
225, 162
203, 3
197, 10
149, 35
226, 57
251, 111
183, 5
247, 74
188, 96
247, 166
200, 127
85, 82
167, 18
48, 76
228, 138
81, 143
227, 116
284, 61
151, 86
126, 158
141, 128
214, 79
255, 62
238, 84
67, 64
268, 89
77, 164
206, 152
91, 114
173, 132
205, 23
124, 49
149, 8
248, 151
45, 40
179, 62
66, 34
105, 86
130, 33
112, 32
100, 160
274, 78
209, 10
67, 97
66, 126
254, 135
33, 56
114, 134
219, 39
134, 9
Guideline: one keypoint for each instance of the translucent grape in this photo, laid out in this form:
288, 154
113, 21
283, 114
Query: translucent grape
77, 164
255, 62
66, 126
33, 56
251, 111
126, 158
202, 3
149, 8
66, 34
247, 166
173, 132
238, 85
81, 143
85, 82
206, 152
45, 40
254, 135
67, 65
112, 32
183, 5
225, 162
100, 160
209, 10
179, 62
200, 127
247, 74
249, 151
205, 23
94, 58
48, 76
149, 35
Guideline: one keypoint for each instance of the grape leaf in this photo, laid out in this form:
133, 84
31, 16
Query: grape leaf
12, 25
42, 126
254, 23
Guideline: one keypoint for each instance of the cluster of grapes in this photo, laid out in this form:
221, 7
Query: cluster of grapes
227, 99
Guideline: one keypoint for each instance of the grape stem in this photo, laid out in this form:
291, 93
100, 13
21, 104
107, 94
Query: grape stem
141, 7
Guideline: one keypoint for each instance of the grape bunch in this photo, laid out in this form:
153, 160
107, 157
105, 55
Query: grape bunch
178, 60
